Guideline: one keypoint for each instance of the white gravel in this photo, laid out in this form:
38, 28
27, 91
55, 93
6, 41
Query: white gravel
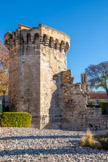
29, 144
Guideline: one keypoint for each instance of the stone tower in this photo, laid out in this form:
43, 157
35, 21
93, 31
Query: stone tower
36, 56
84, 83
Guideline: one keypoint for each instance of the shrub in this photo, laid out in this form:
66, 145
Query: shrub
103, 139
101, 100
16, 119
104, 107
91, 102
89, 141
93, 106
97, 141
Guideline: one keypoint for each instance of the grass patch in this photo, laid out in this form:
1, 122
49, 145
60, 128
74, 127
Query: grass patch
97, 141
103, 140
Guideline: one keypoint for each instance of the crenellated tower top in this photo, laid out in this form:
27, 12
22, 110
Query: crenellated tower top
37, 35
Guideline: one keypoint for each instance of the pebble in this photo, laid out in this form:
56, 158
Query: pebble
33, 145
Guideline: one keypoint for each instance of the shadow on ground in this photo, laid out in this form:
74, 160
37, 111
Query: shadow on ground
71, 149
58, 151
37, 137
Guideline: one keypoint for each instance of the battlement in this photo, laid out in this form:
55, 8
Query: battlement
21, 26
42, 35
68, 79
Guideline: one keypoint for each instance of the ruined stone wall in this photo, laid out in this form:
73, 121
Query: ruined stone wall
95, 119
75, 114
73, 104
84, 83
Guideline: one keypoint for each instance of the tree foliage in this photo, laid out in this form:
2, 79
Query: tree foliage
4, 62
98, 75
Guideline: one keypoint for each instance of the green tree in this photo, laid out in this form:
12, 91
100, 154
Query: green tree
98, 75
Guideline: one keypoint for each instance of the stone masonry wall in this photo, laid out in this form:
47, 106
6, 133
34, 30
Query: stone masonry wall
95, 119
73, 104
53, 61
36, 55
39, 83
24, 72
75, 114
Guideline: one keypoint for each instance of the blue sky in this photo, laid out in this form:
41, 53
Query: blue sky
85, 21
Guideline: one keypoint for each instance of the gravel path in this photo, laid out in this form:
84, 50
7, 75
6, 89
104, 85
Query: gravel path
28, 144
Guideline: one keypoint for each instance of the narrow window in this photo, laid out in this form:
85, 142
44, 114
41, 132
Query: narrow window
36, 38
28, 38
56, 44
67, 47
44, 39
51, 42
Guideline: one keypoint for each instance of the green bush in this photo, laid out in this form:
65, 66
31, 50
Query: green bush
104, 107
16, 119
101, 100
91, 102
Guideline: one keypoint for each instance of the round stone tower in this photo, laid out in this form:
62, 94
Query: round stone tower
37, 56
